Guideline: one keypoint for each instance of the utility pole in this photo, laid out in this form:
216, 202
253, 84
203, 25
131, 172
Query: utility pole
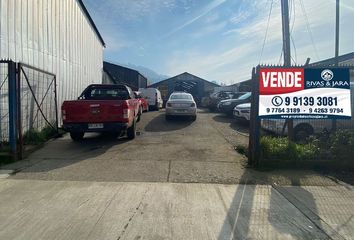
286, 32
334, 122
337, 32
287, 54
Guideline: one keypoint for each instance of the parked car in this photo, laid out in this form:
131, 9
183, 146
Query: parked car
143, 102
242, 112
227, 106
102, 108
205, 102
153, 96
215, 98
181, 104
303, 128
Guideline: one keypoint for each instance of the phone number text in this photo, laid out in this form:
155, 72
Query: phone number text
311, 101
315, 110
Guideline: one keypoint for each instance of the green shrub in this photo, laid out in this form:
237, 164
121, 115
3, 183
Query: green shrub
48, 132
341, 145
338, 146
35, 137
241, 149
280, 148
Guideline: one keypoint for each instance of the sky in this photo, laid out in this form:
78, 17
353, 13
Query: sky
218, 40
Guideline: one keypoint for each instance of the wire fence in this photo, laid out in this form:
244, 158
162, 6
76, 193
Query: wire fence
304, 128
28, 107
38, 100
4, 105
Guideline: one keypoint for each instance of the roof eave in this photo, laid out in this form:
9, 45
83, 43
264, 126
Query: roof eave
91, 22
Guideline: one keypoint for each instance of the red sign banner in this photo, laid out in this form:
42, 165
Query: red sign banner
281, 80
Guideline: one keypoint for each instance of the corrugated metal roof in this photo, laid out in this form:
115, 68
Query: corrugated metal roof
123, 75
186, 74
91, 22
110, 67
342, 59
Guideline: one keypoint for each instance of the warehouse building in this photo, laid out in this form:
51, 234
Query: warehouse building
116, 74
61, 52
185, 82
57, 36
343, 60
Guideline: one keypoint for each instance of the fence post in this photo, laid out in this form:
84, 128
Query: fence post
56, 104
254, 138
13, 120
19, 114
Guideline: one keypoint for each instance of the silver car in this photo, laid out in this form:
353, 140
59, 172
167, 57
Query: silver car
242, 111
181, 104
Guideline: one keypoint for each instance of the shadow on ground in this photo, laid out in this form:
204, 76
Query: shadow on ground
237, 125
57, 154
203, 111
253, 208
159, 124
340, 175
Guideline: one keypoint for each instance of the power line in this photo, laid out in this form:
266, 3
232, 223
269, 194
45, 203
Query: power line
309, 28
266, 34
295, 51
292, 17
281, 56
293, 8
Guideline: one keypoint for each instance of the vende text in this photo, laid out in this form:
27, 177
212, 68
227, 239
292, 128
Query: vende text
277, 81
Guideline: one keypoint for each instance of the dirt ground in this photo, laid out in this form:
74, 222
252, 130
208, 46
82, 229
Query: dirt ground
164, 151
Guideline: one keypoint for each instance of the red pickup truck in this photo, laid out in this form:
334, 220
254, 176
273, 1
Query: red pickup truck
102, 108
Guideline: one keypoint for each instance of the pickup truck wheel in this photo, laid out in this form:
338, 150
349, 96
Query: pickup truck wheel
194, 118
77, 136
131, 132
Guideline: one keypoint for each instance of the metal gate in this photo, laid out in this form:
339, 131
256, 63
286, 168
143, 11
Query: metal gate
37, 101
28, 106
4, 105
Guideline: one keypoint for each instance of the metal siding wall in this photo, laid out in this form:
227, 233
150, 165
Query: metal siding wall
142, 82
53, 35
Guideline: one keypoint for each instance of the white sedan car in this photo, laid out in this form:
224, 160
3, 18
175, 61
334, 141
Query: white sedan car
181, 104
242, 111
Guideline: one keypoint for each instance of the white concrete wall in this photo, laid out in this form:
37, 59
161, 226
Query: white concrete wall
53, 35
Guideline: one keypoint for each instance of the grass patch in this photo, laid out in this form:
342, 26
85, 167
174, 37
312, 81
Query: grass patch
30, 137
280, 148
5, 155
241, 149
35, 137
336, 148
5, 158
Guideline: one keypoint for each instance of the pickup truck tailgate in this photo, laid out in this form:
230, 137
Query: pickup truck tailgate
93, 111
